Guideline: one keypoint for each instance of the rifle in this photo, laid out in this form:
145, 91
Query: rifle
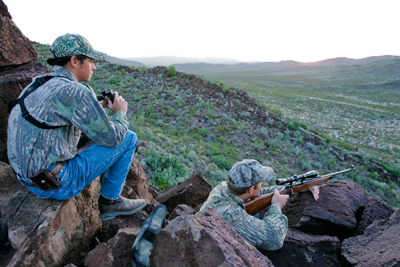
295, 183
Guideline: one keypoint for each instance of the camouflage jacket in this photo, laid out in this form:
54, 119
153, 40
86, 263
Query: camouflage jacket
268, 233
62, 101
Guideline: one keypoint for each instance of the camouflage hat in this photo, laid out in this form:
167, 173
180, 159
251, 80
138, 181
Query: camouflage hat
248, 172
73, 45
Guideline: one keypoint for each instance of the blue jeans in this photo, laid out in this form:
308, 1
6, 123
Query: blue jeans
80, 171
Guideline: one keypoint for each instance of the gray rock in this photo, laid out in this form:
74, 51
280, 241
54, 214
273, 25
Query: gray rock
49, 232
378, 246
375, 209
301, 249
334, 214
192, 192
181, 210
115, 252
15, 48
203, 240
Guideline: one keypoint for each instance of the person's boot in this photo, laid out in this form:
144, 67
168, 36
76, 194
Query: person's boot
121, 206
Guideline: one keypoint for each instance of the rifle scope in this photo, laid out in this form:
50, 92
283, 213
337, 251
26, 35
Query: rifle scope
310, 174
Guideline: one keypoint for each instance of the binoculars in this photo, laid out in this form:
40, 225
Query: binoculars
106, 94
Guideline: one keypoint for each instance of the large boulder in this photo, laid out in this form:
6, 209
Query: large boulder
378, 246
192, 192
203, 240
12, 82
335, 213
115, 252
375, 209
46, 232
15, 48
301, 249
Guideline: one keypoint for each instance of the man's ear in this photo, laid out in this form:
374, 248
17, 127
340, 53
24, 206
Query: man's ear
250, 190
73, 61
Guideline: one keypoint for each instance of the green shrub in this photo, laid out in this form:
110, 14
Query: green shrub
160, 123
171, 71
295, 125
222, 162
114, 80
179, 101
170, 111
203, 131
154, 116
197, 136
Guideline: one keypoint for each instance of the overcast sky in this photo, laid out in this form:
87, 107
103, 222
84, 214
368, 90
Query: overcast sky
266, 30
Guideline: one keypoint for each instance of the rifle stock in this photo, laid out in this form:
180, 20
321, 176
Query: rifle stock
259, 203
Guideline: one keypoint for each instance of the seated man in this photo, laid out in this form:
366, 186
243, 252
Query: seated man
245, 182
44, 129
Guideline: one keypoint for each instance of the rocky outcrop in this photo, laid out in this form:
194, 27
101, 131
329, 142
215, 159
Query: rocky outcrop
15, 48
12, 82
375, 209
181, 210
340, 205
60, 232
115, 252
192, 192
4, 10
49, 232
301, 249
378, 246
203, 240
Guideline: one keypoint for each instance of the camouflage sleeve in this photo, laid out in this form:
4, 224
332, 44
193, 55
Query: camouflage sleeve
87, 114
270, 189
268, 233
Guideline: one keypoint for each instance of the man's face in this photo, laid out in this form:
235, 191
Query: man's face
85, 70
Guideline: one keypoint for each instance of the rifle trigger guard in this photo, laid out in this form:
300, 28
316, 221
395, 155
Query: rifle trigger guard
291, 192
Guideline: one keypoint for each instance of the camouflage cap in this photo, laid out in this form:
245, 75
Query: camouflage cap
73, 45
248, 172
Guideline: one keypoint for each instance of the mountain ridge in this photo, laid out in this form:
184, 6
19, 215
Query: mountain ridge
200, 68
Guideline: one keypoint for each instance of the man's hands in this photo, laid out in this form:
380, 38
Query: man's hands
279, 199
119, 104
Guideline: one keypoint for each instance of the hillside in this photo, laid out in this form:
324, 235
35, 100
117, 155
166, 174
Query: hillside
357, 104
169, 115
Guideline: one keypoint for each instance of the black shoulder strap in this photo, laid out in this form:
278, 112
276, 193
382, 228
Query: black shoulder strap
38, 82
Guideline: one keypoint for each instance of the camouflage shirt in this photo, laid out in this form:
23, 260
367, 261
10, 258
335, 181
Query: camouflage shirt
268, 233
62, 101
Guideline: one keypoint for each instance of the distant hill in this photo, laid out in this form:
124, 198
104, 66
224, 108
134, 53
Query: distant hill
212, 68
167, 61
123, 62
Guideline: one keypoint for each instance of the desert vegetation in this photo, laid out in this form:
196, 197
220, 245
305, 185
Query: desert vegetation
356, 107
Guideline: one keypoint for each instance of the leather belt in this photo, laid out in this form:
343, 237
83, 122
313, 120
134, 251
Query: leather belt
55, 171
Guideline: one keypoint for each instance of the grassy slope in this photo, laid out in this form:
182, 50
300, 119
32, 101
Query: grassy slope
169, 116
348, 103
